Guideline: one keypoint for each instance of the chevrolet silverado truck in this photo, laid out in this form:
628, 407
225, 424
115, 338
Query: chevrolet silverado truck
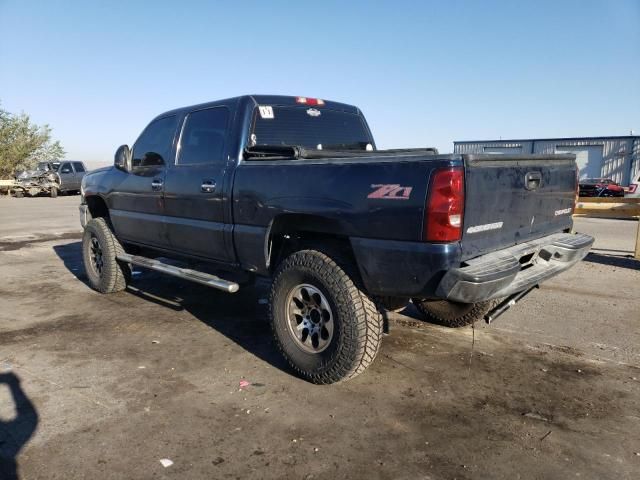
293, 188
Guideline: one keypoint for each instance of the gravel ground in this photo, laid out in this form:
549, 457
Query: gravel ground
95, 386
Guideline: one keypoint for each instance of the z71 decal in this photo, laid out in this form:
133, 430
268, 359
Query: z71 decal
390, 192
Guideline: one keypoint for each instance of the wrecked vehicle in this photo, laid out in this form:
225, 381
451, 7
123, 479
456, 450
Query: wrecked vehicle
50, 178
293, 188
41, 180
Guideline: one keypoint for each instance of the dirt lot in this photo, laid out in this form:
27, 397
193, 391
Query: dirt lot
106, 386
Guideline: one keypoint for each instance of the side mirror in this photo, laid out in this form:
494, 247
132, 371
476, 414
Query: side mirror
122, 158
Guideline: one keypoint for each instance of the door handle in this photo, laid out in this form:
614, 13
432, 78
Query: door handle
156, 185
208, 186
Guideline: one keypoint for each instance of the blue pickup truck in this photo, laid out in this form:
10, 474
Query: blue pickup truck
294, 188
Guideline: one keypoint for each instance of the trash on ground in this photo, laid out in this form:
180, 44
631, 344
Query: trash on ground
535, 416
244, 383
155, 341
166, 462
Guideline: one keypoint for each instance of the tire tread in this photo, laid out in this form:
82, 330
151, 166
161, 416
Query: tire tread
117, 274
475, 313
364, 332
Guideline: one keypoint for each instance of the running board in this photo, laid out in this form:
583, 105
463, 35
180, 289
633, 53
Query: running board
185, 273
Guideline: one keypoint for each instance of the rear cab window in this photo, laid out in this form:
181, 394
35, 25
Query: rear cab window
310, 127
78, 167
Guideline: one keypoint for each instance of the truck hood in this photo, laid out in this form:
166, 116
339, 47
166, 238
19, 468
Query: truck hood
98, 170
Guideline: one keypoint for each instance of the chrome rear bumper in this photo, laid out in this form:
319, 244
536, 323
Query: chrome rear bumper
514, 269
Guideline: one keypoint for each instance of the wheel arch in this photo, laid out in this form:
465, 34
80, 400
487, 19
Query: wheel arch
288, 233
97, 206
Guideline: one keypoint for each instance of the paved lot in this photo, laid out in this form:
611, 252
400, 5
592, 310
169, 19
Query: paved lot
109, 385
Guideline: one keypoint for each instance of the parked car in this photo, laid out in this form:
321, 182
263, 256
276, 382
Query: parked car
600, 187
50, 178
634, 187
293, 188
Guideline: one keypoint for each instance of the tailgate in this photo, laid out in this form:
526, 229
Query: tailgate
510, 199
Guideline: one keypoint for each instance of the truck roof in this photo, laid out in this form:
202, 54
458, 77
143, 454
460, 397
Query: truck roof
272, 100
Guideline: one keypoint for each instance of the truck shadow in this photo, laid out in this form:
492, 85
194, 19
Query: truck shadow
242, 317
16, 432
613, 260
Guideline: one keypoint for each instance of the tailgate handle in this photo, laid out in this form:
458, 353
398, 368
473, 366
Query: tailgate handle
532, 180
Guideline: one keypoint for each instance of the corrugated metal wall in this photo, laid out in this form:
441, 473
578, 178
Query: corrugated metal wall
620, 156
635, 158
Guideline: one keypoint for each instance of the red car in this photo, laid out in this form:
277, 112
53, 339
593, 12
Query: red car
600, 187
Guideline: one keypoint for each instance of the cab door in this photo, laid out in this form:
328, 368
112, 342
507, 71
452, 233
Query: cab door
67, 177
80, 171
195, 198
136, 204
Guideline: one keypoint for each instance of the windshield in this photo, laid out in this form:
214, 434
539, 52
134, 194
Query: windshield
314, 128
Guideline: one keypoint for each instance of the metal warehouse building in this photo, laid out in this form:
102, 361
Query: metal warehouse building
617, 158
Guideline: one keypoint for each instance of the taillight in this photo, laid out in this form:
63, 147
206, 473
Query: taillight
633, 187
445, 206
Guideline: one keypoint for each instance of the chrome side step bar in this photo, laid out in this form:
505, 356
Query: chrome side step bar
186, 273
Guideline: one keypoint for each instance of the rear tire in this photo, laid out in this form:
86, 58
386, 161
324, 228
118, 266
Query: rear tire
19, 194
100, 248
326, 327
452, 314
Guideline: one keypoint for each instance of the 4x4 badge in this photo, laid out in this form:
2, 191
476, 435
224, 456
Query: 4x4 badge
390, 192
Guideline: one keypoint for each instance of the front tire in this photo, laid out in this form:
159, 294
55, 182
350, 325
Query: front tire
100, 248
452, 314
53, 192
327, 328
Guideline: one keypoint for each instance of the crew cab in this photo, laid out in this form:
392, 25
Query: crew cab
293, 188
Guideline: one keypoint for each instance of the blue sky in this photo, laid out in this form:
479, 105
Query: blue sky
424, 73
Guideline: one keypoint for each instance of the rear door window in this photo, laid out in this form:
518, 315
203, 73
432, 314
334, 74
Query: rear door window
203, 137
